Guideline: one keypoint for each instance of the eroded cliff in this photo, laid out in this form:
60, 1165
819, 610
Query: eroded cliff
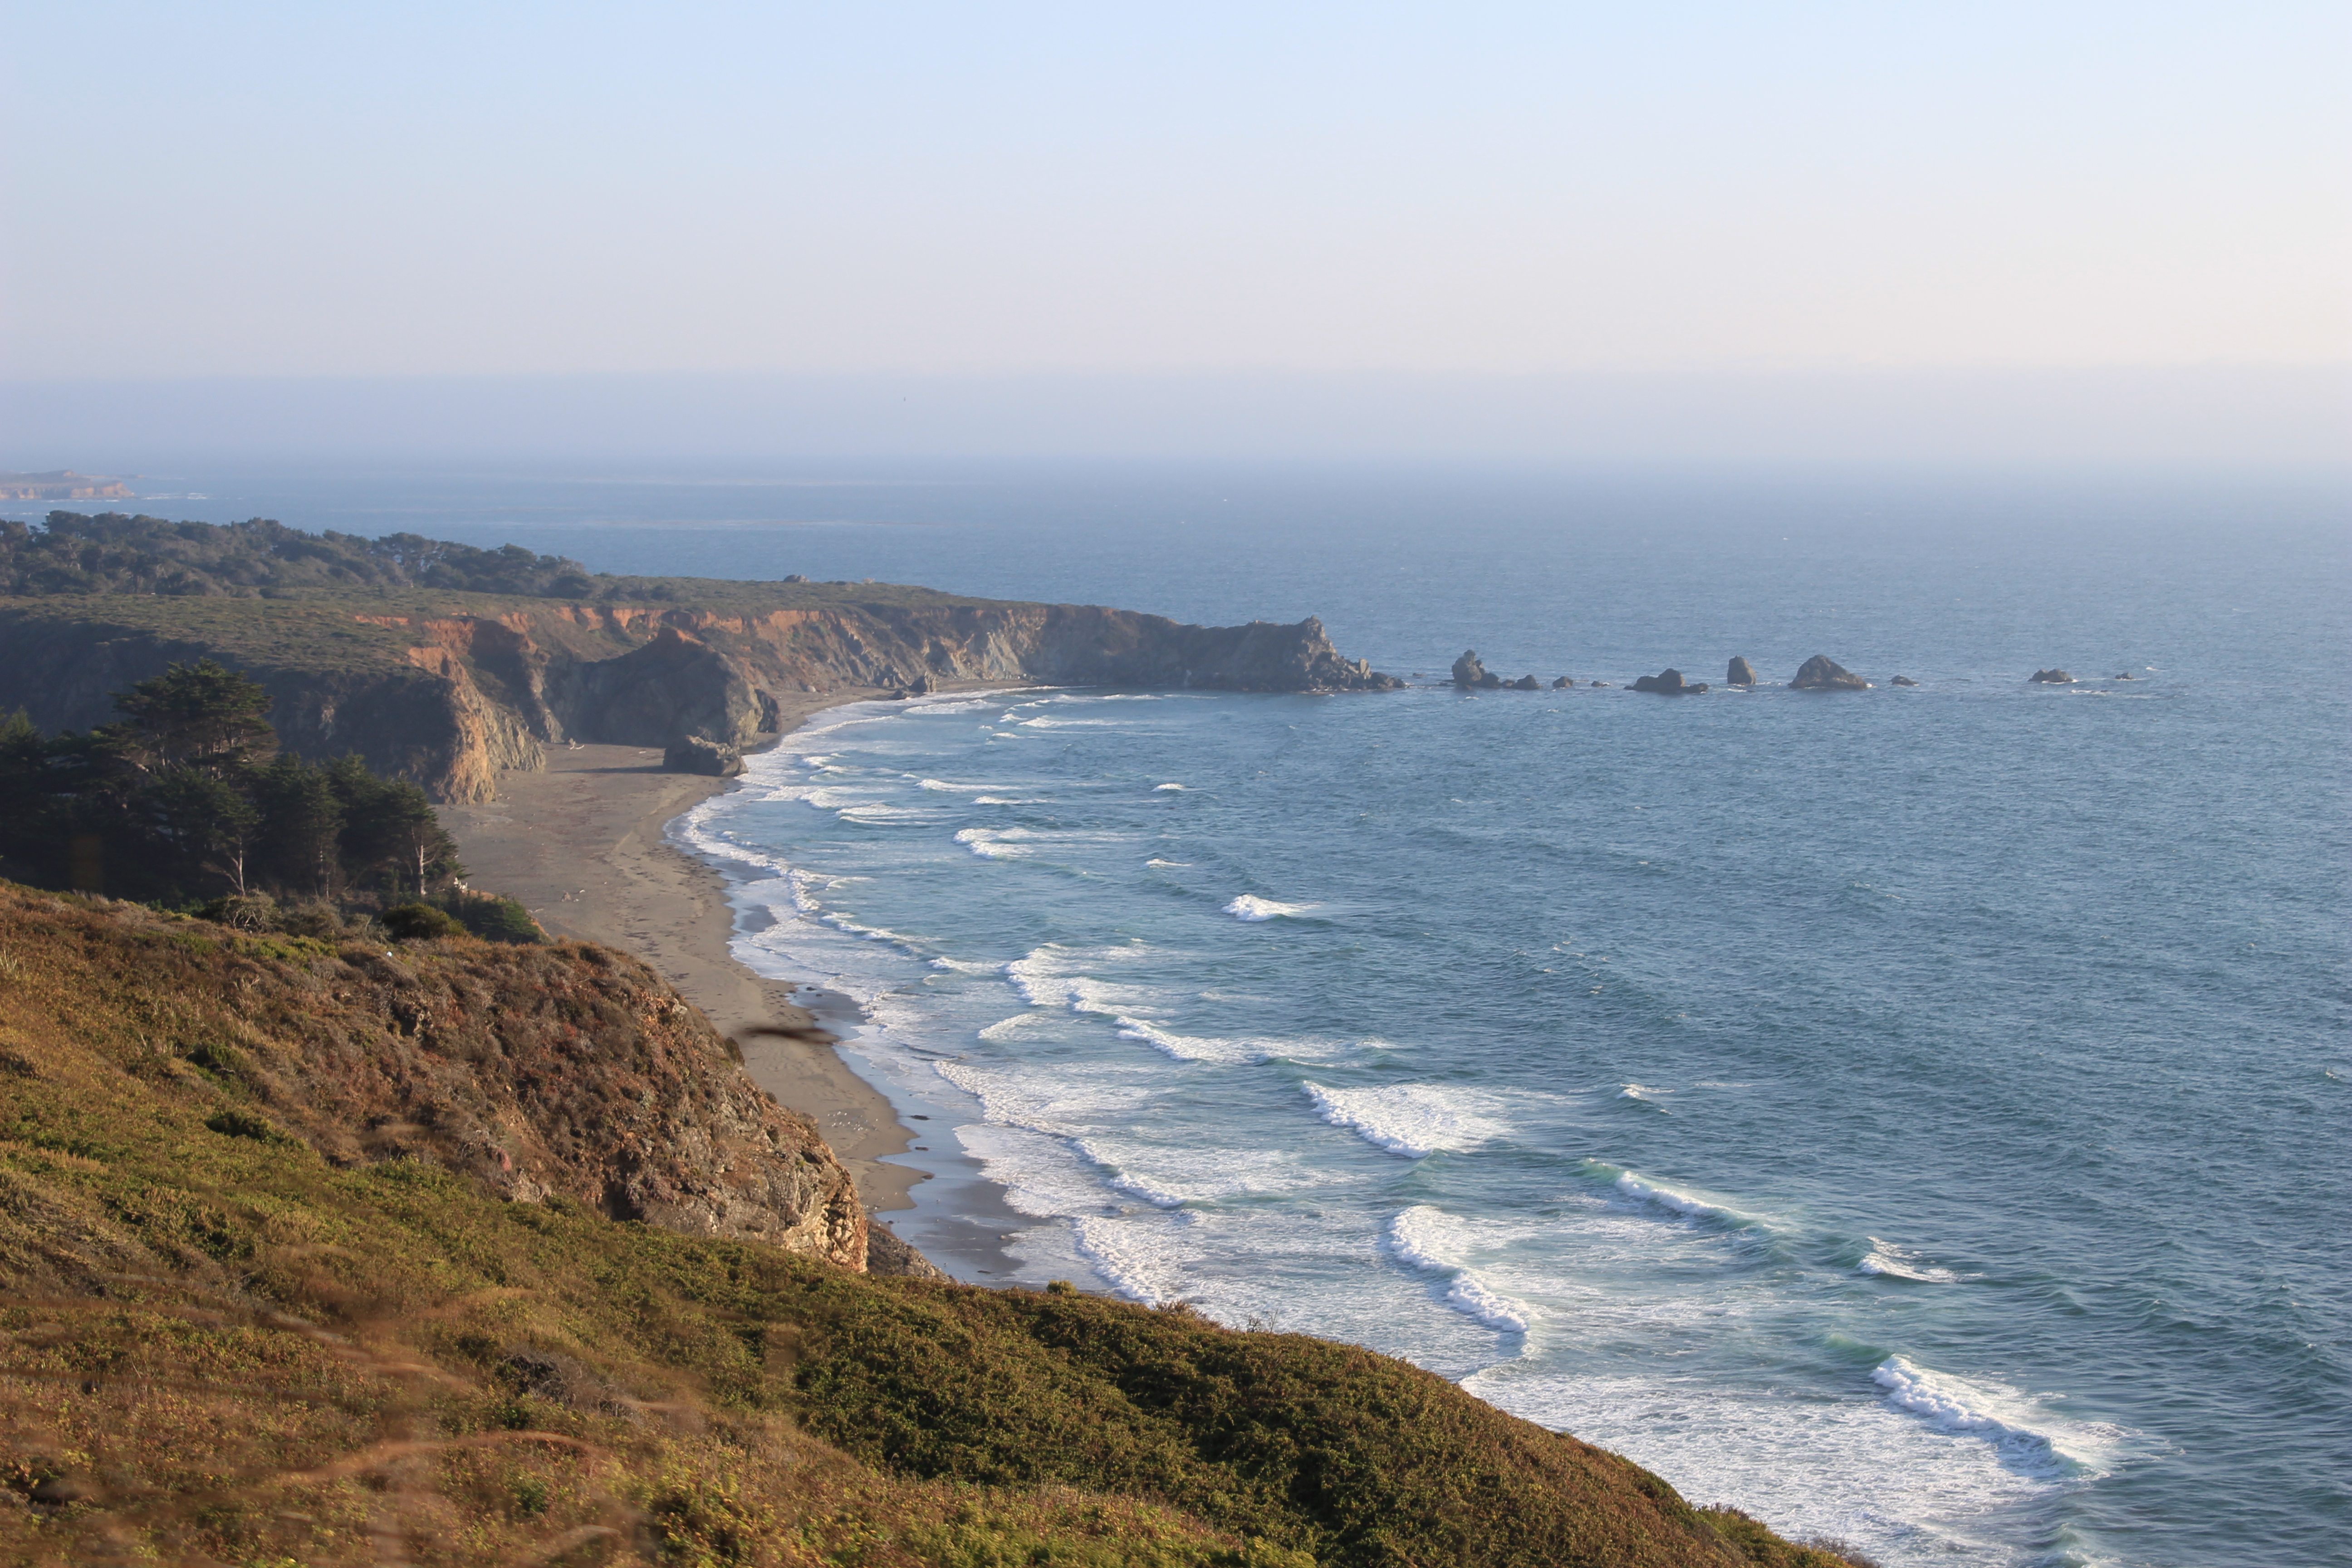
568, 1070
448, 690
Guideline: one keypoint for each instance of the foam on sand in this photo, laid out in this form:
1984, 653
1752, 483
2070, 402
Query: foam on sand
1432, 1240
1414, 1119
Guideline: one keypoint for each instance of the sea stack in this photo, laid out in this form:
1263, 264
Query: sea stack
1822, 673
1469, 673
1741, 673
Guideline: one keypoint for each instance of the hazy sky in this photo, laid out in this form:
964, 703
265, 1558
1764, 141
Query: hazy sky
321, 188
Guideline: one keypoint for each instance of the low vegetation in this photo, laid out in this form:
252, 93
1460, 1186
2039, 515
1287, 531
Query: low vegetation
75, 555
241, 1329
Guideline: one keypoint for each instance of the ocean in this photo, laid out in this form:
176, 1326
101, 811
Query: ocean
1916, 1116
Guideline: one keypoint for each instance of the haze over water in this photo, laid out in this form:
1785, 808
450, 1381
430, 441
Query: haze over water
1915, 1115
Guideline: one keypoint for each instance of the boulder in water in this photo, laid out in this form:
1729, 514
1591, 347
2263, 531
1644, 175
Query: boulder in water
2052, 676
1822, 673
1562, 684
1741, 673
1671, 684
1527, 683
1902, 681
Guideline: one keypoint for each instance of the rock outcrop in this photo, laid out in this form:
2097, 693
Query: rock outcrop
1527, 683
1902, 681
568, 1069
1741, 673
2052, 676
701, 754
1562, 684
1822, 673
1471, 675
1670, 684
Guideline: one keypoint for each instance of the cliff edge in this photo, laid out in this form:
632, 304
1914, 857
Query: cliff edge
447, 688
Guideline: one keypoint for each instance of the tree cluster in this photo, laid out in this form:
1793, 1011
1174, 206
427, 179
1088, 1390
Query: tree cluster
187, 797
115, 554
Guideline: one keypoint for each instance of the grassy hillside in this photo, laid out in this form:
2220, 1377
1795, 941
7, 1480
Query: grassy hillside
232, 1337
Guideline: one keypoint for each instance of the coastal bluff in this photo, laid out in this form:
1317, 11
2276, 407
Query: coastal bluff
449, 685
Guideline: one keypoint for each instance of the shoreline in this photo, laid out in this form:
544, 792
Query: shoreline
584, 846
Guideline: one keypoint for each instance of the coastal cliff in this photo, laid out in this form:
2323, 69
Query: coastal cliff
449, 689
568, 1072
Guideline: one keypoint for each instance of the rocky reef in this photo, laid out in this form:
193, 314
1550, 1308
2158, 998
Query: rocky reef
1670, 683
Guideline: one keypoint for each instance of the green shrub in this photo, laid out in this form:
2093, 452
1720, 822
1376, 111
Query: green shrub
420, 922
491, 917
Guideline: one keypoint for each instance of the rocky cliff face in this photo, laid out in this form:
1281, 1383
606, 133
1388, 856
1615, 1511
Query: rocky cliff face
570, 1070
450, 694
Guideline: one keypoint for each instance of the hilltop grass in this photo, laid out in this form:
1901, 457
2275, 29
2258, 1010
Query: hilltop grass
222, 1347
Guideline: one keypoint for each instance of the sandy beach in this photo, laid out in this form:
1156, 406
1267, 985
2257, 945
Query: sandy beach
583, 845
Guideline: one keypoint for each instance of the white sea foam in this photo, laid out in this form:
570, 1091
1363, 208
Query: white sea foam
1903, 1491
1430, 1239
1674, 1200
2029, 1437
1195, 1047
1249, 906
1413, 1120
1887, 1258
1175, 864
1158, 788
990, 844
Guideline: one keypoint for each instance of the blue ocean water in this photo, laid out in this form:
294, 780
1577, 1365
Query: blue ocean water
1917, 1116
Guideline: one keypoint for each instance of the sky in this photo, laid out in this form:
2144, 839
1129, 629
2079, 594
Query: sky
1315, 202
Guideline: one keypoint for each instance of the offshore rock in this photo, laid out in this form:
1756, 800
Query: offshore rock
1822, 673
1670, 684
1562, 684
1469, 673
1527, 683
1902, 681
701, 754
1741, 673
2052, 676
